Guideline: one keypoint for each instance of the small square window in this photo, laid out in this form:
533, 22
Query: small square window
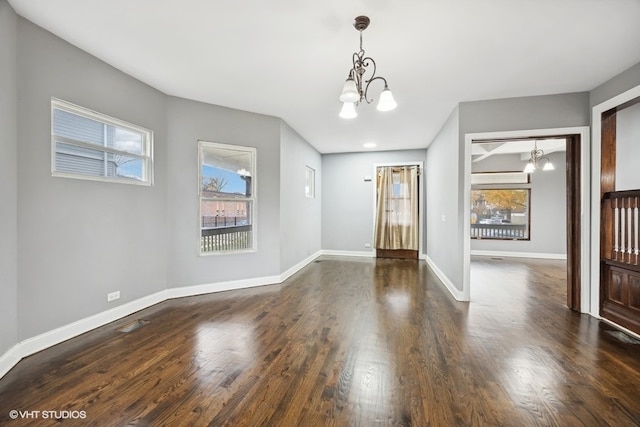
309, 182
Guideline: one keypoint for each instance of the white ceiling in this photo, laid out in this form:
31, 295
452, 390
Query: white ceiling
289, 58
483, 150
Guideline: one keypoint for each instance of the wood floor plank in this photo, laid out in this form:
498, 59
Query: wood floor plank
346, 342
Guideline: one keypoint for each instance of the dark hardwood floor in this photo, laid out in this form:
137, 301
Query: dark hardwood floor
346, 342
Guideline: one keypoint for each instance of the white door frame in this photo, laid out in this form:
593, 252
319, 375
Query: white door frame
585, 232
595, 189
421, 198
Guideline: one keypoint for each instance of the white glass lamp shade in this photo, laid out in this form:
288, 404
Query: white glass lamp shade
386, 102
548, 166
349, 91
348, 110
529, 168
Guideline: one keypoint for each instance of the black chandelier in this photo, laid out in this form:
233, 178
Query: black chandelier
356, 87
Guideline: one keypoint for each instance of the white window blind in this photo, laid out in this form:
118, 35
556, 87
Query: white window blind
90, 145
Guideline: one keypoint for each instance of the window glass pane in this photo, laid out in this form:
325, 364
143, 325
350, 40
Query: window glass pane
500, 214
226, 198
225, 172
122, 151
80, 160
76, 127
309, 182
217, 214
125, 166
124, 140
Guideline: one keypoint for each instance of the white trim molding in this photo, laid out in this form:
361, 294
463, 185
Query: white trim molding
10, 359
56, 336
507, 254
586, 231
455, 292
362, 254
596, 152
50, 338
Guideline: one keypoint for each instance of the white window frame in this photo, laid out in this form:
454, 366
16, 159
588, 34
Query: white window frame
310, 182
252, 199
147, 145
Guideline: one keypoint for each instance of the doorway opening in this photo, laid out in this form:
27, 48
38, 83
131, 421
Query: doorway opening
576, 204
518, 214
397, 211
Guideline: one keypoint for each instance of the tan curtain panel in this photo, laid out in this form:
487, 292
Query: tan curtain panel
397, 208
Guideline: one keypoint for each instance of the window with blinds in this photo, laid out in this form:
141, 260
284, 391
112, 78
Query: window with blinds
90, 145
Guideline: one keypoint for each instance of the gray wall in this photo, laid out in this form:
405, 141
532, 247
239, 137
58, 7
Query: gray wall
188, 122
525, 113
79, 240
445, 161
300, 216
444, 238
547, 208
8, 180
68, 242
618, 84
628, 148
347, 200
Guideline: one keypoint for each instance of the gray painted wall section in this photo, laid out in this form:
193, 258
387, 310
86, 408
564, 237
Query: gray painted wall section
188, 122
548, 207
444, 241
628, 148
8, 180
79, 240
347, 200
445, 162
300, 216
618, 84
525, 113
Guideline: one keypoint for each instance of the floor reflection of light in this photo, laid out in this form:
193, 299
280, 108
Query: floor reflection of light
371, 386
399, 302
224, 346
528, 375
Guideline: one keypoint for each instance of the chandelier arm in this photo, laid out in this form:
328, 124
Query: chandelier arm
366, 88
366, 64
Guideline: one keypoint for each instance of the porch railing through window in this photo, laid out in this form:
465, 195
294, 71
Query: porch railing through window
231, 238
499, 231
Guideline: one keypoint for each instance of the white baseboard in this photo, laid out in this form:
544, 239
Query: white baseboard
9, 359
209, 288
50, 338
365, 254
455, 292
293, 270
622, 328
63, 333
508, 254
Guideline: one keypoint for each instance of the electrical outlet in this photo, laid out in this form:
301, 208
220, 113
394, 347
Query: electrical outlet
113, 296
367, 245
